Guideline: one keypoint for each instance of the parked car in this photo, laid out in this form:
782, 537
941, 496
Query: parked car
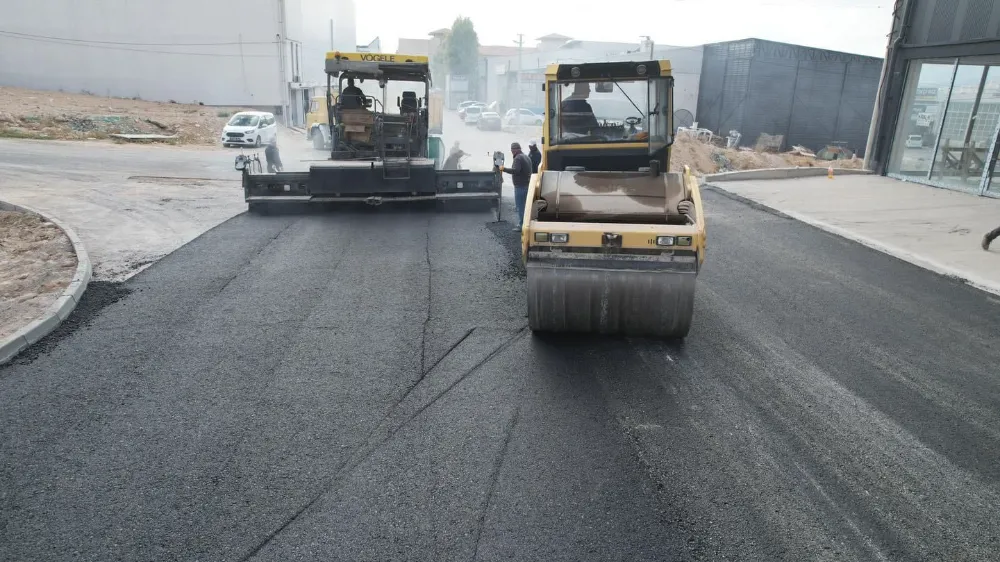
915, 141
464, 105
521, 116
489, 121
472, 114
250, 128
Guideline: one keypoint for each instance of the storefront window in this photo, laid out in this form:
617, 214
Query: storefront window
925, 97
966, 133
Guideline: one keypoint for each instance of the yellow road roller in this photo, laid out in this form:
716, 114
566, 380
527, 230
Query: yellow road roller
612, 241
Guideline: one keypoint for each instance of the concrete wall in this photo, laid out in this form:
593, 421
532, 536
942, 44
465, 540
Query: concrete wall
218, 52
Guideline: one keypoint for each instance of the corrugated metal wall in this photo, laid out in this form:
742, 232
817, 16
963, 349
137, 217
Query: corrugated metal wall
812, 97
954, 21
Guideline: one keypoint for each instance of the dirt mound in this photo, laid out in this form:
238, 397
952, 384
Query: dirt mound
37, 262
38, 114
704, 158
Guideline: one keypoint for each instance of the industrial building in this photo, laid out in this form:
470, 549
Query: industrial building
938, 116
785, 94
266, 54
792, 95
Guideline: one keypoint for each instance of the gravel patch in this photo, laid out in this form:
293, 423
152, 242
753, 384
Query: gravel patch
37, 262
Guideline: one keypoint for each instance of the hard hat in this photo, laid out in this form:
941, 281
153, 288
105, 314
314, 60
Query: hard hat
532, 143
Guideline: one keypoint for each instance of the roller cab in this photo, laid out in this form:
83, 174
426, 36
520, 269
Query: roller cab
613, 241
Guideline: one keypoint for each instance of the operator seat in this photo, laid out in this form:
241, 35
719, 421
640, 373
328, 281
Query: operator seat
408, 103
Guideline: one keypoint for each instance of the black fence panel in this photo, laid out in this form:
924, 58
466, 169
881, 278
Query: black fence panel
811, 97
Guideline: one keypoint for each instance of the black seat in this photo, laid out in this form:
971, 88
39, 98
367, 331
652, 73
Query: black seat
408, 104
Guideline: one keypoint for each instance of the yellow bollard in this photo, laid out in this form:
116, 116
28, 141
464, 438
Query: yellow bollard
829, 172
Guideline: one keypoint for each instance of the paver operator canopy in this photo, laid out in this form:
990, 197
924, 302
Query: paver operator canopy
612, 240
362, 124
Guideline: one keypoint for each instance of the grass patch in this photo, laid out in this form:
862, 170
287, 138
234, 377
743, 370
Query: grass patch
9, 133
223, 114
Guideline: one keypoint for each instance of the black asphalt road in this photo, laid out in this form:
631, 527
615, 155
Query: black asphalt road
362, 387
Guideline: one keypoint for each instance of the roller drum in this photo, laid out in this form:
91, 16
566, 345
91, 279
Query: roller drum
609, 301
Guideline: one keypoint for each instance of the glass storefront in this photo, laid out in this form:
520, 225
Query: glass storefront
947, 130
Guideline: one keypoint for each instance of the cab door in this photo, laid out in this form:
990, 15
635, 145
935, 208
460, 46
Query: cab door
660, 120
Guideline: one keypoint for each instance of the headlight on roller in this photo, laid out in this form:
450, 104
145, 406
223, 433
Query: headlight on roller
558, 237
683, 240
541, 237
664, 240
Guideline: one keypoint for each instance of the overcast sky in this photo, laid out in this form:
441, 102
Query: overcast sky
854, 26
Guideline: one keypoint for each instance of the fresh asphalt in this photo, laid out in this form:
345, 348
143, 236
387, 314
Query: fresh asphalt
362, 386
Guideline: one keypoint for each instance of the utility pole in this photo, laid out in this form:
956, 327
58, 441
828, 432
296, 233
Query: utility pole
650, 41
520, 58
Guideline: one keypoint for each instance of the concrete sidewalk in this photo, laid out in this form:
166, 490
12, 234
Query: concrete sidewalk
937, 229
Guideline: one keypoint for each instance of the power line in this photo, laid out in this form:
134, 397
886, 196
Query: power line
116, 48
173, 44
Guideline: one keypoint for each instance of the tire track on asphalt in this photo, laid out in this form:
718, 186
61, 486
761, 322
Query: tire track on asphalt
494, 476
371, 444
262, 392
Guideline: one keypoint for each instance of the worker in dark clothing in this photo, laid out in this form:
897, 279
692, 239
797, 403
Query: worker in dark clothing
520, 171
352, 97
535, 155
577, 115
990, 237
272, 157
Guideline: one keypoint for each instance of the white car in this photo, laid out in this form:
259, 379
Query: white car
521, 116
915, 141
472, 114
250, 128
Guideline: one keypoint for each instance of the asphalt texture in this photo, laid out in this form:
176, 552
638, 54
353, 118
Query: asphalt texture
362, 386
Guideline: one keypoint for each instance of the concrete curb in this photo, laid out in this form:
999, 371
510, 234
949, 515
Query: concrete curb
64, 305
782, 173
986, 285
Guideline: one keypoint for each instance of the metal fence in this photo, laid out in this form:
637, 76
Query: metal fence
811, 97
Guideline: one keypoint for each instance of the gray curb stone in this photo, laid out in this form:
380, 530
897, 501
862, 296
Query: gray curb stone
782, 173
64, 305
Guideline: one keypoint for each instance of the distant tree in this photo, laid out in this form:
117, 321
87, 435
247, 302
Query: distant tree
462, 51
439, 64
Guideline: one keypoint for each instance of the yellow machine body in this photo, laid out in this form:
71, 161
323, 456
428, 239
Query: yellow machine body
613, 241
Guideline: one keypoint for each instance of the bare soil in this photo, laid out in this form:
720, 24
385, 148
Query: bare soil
36, 114
37, 262
704, 158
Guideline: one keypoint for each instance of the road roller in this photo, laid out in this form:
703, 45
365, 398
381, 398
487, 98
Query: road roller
612, 239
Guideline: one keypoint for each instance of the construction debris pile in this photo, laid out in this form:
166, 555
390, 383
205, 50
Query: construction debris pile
708, 153
36, 114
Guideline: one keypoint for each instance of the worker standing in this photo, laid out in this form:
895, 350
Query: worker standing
272, 157
520, 171
535, 155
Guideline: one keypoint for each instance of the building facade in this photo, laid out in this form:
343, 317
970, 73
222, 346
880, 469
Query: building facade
512, 85
938, 116
265, 54
793, 95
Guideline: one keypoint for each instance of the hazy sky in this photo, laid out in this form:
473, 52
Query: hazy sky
854, 26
